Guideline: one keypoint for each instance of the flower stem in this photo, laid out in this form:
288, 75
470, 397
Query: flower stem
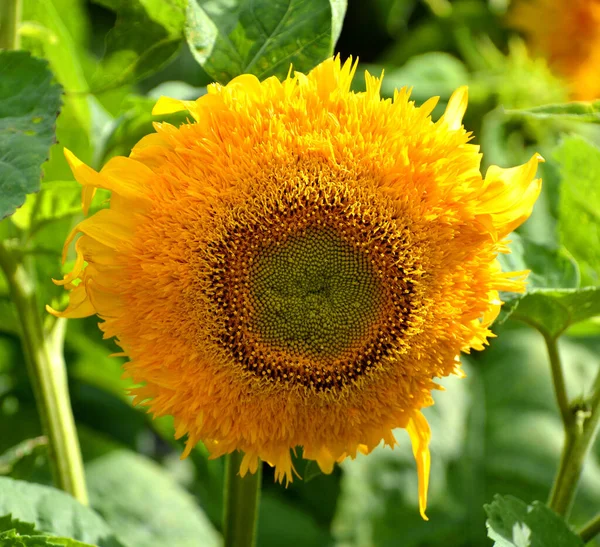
559, 382
581, 426
10, 16
242, 497
590, 530
46, 369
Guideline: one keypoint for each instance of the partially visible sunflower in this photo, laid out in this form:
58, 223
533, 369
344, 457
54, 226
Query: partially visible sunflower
298, 264
567, 34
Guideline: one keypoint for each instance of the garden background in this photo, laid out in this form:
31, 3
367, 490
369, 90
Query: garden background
499, 431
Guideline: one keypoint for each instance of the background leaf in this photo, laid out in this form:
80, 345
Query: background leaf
145, 506
55, 512
29, 105
579, 208
513, 523
587, 112
552, 311
261, 37
58, 30
146, 35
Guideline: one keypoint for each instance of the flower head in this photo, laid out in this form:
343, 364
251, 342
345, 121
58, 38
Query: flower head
567, 34
297, 264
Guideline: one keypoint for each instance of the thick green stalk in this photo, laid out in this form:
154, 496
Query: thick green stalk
242, 497
10, 16
47, 373
581, 426
590, 530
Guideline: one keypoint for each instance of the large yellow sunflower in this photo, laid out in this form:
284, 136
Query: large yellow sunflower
298, 264
567, 34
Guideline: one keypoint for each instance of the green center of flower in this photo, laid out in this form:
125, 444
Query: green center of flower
313, 293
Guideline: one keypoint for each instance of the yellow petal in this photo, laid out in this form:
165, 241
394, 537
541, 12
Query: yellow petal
167, 105
509, 194
79, 305
420, 434
457, 106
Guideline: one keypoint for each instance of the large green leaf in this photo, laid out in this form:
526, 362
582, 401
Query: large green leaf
7, 522
579, 206
513, 523
16, 533
144, 505
57, 31
552, 311
11, 538
553, 302
146, 35
549, 267
29, 105
262, 37
573, 112
54, 512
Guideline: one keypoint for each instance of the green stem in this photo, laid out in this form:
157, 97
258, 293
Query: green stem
581, 426
558, 378
47, 373
590, 530
10, 16
242, 496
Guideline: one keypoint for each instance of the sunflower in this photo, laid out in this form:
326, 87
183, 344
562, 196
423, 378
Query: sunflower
297, 264
567, 34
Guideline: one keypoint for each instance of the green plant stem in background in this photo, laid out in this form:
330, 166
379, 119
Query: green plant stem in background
46, 368
242, 497
558, 379
590, 530
581, 425
10, 16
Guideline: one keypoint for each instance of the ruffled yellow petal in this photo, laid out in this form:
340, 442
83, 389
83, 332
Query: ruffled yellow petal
420, 435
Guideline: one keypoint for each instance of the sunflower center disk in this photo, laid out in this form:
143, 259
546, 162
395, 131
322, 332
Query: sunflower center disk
303, 302
313, 294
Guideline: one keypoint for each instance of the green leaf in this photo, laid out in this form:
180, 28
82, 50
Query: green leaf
262, 37
144, 505
15, 533
55, 512
579, 206
549, 267
588, 112
57, 30
552, 302
552, 311
513, 523
7, 522
29, 105
146, 36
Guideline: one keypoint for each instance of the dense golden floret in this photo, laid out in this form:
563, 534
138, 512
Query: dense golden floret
298, 264
567, 34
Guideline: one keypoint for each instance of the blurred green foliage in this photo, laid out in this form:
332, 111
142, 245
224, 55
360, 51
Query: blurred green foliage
496, 432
